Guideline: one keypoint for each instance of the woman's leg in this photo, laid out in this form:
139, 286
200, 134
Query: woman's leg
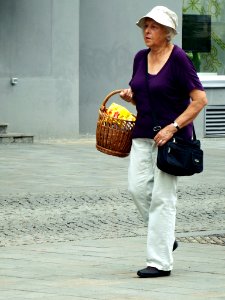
161, 226
141, 174
155, 194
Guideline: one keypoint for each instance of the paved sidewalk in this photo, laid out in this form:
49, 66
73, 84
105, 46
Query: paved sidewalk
106, 269
77, 165
48, 176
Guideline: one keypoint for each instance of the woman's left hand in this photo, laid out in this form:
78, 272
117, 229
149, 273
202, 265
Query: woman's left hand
164, 135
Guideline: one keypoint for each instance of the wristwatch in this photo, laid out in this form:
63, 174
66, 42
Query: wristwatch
176, 125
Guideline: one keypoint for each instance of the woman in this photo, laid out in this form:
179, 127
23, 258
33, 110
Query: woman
164, 84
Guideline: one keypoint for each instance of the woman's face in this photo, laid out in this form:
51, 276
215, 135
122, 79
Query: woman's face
154, 33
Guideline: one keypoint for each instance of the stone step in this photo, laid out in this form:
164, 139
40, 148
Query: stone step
3, 128
8, 138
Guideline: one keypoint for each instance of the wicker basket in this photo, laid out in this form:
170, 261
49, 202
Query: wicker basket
113, 136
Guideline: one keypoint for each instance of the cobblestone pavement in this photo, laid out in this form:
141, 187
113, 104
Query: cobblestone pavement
70, 216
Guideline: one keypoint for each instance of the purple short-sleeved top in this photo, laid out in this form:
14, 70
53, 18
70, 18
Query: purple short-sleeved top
168, 94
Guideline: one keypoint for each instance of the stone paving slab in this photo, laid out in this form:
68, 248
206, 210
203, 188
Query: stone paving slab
77, 165
106, 269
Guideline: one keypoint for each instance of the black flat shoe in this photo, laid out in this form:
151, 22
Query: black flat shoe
175, 245
152, 272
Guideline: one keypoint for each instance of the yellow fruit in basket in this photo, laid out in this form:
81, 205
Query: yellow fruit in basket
131, 118
120, 112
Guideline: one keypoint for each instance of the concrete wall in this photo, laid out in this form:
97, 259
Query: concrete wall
109, 39
39, 44
68, 55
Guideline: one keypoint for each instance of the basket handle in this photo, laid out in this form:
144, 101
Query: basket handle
107, 98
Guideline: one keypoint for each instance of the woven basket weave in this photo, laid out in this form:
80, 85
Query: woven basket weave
113, 136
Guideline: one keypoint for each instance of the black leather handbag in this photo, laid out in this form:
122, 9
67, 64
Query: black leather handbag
181, 157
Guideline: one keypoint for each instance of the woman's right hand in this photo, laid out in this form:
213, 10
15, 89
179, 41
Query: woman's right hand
127, 95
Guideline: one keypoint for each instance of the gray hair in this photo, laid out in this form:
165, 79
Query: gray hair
170, 33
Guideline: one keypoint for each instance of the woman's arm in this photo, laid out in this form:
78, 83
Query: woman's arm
198, 102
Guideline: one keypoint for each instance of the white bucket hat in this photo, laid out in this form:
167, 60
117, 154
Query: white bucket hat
161, 15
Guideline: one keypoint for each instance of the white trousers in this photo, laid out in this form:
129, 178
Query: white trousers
155, 194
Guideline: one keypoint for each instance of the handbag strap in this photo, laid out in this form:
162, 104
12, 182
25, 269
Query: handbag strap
154, 115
